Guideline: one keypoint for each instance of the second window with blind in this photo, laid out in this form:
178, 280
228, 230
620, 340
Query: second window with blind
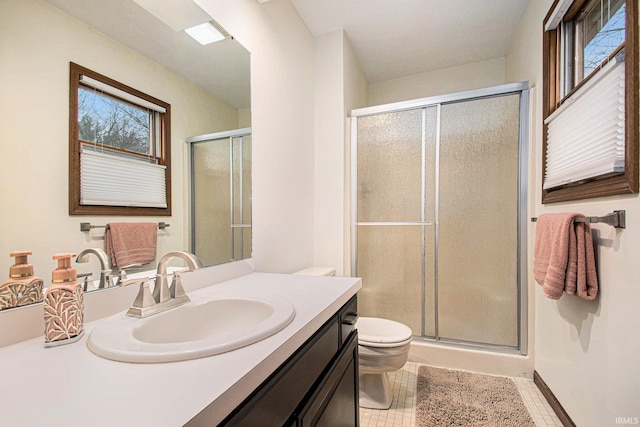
119, 158
590, 99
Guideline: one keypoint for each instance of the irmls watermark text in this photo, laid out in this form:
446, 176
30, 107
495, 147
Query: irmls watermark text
628, 420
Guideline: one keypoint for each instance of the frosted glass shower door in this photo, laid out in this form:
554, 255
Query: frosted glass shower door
478, 221
241, 197
221, 199
438, 207
211, 192
395, 153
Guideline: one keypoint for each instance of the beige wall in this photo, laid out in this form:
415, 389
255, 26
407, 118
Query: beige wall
36, 44
448, 80
587, 352
340, 87
329, 188
356, 95
244, 118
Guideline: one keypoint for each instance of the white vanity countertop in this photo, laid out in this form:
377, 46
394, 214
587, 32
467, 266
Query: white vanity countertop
71, 386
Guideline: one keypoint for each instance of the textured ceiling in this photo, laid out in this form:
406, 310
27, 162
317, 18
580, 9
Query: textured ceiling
397, 38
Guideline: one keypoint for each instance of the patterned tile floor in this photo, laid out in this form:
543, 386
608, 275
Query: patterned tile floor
403, 408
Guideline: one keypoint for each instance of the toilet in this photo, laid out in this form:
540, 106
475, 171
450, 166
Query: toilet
383, 347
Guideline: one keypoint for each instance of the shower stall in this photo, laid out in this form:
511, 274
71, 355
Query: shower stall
439, 215
220, 165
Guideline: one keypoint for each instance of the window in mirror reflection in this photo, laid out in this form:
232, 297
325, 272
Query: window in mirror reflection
119, 142
117, 125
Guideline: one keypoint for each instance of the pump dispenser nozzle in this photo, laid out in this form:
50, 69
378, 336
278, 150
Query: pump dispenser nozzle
64, 272
23, 287
21, 267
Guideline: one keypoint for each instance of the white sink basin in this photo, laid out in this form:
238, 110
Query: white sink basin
198, 329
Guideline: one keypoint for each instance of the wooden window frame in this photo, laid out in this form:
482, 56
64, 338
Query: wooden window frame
551, 99
75, 208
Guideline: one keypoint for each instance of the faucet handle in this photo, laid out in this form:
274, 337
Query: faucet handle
121, 279
105, 279
123, 283
176, 290
143, 300
87, 277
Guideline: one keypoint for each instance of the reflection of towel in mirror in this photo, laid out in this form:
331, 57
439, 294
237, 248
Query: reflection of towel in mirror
129, 243
564, 259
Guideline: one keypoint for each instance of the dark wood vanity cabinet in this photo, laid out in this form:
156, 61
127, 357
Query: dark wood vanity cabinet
335, 401
316, 386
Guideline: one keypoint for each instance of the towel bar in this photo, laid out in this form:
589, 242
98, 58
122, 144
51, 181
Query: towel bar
617, 219
87, 226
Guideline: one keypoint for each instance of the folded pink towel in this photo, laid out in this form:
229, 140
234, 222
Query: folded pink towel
564, 258
587, 278
129, 243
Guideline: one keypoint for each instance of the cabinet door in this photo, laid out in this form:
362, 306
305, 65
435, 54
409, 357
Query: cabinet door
335, 401
275, 401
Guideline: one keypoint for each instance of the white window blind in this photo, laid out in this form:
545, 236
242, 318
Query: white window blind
111, 180
585, 135
103, 87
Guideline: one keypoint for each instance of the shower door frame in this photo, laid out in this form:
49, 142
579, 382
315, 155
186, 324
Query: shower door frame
217, 136
522, 89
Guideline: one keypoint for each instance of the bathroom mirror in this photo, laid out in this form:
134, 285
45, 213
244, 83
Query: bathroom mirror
208, 87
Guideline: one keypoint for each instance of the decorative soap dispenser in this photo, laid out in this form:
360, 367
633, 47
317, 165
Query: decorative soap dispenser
63, 305
23, 287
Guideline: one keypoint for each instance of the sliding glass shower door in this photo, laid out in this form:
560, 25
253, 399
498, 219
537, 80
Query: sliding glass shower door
221, 196
436, 220
395, 170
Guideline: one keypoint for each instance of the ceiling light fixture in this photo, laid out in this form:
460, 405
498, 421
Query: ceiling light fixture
209, 32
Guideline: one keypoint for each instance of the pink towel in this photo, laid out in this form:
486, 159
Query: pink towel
129, 243
587, 280
564, 258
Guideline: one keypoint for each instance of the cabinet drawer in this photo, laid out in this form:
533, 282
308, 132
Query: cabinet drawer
348, 316
277, 398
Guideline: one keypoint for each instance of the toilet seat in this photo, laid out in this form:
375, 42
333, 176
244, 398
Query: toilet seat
375, 332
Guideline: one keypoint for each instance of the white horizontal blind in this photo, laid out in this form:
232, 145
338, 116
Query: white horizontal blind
103, 87
558, 13
111, 180
585, 136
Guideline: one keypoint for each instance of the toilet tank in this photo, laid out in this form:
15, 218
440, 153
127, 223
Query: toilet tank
317, 271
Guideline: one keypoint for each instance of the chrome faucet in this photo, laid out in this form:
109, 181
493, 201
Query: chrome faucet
163, 297
161, 291
105, 271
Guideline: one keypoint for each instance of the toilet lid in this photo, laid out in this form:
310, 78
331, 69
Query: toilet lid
382, 331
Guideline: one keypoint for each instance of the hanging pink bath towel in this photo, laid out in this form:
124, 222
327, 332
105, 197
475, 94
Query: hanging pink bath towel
129, 243
564, 259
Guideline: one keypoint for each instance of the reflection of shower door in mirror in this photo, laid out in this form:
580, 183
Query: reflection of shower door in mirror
438, 196
221, 196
